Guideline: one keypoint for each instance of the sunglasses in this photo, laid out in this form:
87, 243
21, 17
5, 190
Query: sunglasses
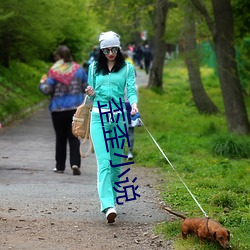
106, 51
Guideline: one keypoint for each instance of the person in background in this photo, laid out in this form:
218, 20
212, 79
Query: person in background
128, 58
138, 52
92, 57
65, 83
93, 54
108, 78
147, 54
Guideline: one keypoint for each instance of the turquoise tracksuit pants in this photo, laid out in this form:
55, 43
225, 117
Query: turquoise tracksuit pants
107, 175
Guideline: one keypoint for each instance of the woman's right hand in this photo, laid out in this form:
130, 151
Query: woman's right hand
134, 109
43, 79
90, 91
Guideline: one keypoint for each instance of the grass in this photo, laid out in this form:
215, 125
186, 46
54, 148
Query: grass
214, 164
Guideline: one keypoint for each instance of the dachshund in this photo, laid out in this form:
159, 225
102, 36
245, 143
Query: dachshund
204, 229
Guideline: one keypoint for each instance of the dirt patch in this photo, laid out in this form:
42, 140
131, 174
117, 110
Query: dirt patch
50, 234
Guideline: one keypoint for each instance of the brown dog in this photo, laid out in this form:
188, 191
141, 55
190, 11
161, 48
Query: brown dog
204, 229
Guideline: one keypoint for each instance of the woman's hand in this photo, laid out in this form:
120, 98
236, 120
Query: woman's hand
134, 109
43, 79
90, 91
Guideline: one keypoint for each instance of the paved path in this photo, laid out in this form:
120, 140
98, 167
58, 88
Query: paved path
29, 189
26, 163
141, 78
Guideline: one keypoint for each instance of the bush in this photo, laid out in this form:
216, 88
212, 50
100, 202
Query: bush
231, 146
19, 88
223, 200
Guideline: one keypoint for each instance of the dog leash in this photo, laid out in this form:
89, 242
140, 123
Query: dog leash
175, 170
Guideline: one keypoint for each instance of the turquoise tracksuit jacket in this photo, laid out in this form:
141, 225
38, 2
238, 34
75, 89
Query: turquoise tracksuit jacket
113, 85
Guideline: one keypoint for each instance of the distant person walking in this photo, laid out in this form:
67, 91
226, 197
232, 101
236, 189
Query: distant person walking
147, 54
65, 84
138, 56
92, 56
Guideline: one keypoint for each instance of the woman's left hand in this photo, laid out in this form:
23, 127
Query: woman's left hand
134, 109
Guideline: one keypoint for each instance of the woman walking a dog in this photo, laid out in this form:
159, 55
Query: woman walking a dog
108, 77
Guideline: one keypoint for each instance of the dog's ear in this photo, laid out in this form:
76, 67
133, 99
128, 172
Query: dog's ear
214, 235
228, 237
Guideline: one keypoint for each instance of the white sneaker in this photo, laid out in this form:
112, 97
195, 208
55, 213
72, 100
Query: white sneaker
130, 156
111, 214
76, 170
58, 171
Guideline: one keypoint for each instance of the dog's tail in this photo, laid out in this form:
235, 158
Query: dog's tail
175, 213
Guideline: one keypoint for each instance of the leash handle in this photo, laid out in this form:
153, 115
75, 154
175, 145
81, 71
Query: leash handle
174, 170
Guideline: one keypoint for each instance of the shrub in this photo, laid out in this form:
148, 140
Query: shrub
223, 200
231, 146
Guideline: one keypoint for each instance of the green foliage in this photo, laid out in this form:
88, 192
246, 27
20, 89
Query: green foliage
19, 87
175, 28
175, 25
241, 17
219, 183
29, 33
243, 59
128, 18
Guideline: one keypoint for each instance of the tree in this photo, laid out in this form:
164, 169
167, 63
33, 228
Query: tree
201, 99
223, 38
159, 46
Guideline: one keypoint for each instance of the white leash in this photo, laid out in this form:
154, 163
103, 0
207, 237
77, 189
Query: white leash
174, 170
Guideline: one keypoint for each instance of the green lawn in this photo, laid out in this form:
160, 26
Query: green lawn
214, 164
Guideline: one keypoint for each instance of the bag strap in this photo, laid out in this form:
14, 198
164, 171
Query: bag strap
93, 74
127, 72
127, 75
91, 148
85, 99
86, 138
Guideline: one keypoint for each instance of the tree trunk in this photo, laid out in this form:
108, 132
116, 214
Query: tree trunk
235, 109
159, 47
201, 99
223, 38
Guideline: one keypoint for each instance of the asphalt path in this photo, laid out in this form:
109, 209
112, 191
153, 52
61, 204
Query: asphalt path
30, 189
